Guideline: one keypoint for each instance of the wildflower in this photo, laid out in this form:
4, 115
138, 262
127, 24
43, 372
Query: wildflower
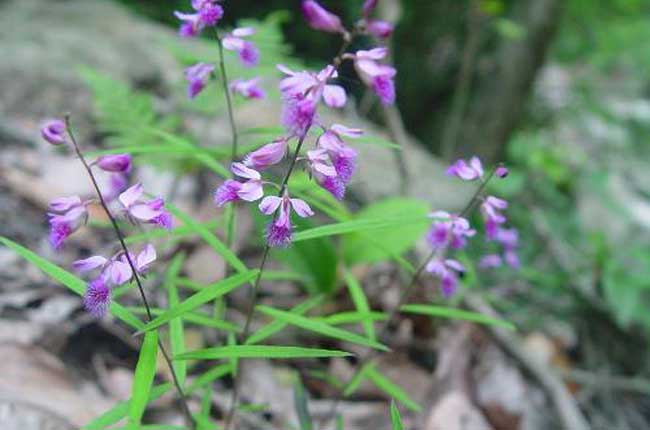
325, 173
501, 171
449, 230
509, 240
117, 183
380, 29
54, 131
150, 212
197, 76
280, 231
467, 171
207, 14
232, 190
319, 18
368, 7
67, 215
448, 272
298, 113
379, 77
490, 261
248, 88
268, 155
114, 163
490, 209
248, 52
97, 298
343, 157
191, 24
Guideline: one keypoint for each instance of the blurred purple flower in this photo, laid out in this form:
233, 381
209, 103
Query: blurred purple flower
319, 18
248, 52
197, 76
54, 131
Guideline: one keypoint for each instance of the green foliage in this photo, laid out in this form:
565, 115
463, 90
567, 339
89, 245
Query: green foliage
259, 351
176, 332
300, 402
143, 378
456, 314
277, 325
395, 417
360, 302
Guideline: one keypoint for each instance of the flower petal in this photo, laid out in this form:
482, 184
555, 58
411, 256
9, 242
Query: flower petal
302, 208
269, 204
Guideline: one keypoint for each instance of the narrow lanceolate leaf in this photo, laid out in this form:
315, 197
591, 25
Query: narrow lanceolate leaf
176, 333
395, 417
360, 302
260, 351
210, 376
145, 371
210, 238
443, 312
320, 327
356, 380
120, 410
69, 280
300, 403
357, 225
209, 293
392, 389
277, 325
352, 317
197, 318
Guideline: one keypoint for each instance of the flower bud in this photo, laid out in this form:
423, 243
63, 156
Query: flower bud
319, 18
115, 163
502, 171
54, 131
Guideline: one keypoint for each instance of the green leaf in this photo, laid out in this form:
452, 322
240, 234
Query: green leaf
277, 325
360, 302
457, 314
358, 225
390, 388
210, 376
392, 240
120, 410
356, 380
353, 317
69, 280
320, 327
395, 417
176, 333
175, 233
211, 239
260, 351
198, 318
300, 403
145, 371
209, 293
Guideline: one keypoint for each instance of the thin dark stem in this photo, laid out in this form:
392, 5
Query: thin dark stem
234, 398
403, 299
120, 237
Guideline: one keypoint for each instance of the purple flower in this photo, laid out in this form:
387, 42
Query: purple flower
490, 261
279, 232
325, 173
248, 88
248, 52
298, 113
191, 24
117, 183
368, 7
447, 271
379, 77
490, 209
268, 155
232, 190
149, 212
145, 258
380, 29
114, 163
449, 230
512, 259
97, 298
198, 76
319, 18
90, 263
343, 157
501, 171
54, 131
67, 216
466, 171
208, 13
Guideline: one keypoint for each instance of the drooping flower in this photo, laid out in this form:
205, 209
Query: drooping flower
67, 215
268, 155
325, 174
54, 131
449, 230
248, 52
509, 240
343, 157
491, 210
114, 163
207, 14
248, 88
97, 298
148, 211
117, 183
378, 77
197, 76
447, 271
380, 29
466, 171
319, 18
501, 172
232, 190
279, 231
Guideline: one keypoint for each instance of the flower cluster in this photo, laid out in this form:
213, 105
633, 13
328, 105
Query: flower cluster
331, 162
208, 13
67, 214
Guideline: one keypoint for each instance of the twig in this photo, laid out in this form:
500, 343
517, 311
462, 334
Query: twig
120, 237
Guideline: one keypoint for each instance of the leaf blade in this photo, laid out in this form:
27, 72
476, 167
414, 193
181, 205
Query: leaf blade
145, 371
260, 351
451, 313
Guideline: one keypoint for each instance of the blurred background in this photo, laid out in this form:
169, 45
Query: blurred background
558, 90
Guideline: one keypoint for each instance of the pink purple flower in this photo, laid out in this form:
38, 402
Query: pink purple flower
147, 211
491, 210
378, 77
66, 216
368, 7
114, 163
501, 171
248, 88
207, 14
490, 261
319, 18
97, 298
248, 52
449, 230
268, 155
279, 232
232, 190
447, 271
343, 157
54, 131
380, 29
467, 171
197, 76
